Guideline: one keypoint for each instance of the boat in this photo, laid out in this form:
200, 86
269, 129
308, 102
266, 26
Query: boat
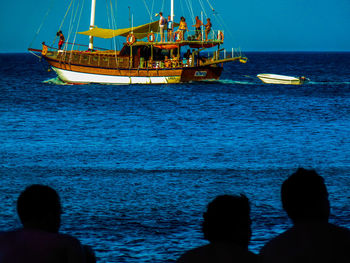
143, 59
282, 79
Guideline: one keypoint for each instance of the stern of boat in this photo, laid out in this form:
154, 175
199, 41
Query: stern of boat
201, 73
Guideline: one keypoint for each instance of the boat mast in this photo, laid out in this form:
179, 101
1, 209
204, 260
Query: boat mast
92, 23
172, 10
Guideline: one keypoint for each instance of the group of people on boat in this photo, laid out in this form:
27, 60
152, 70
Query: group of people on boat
226, 226
189, 59
168, 25
168, 62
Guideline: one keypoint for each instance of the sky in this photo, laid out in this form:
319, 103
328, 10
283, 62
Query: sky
251, 25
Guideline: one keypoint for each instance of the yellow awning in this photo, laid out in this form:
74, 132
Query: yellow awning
139, 31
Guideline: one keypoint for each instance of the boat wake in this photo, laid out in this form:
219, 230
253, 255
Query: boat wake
55, 81
231, 81
329, 82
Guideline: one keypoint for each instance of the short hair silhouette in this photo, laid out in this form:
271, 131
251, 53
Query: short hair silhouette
227, 227
304, 196
227, 219
39, 209
37, 203
311, 238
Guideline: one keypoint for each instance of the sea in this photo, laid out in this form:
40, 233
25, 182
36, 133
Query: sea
136, 165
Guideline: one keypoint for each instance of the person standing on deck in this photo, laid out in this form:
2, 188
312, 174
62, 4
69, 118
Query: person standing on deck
162, 24
182, 28
62, 39
198, 25
169, 29
207, 28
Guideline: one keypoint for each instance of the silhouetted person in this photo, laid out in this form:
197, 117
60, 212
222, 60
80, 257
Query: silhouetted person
188, 54
311, 239
227, 226
39, 210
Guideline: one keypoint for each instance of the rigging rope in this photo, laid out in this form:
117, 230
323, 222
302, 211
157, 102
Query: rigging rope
72, 21
222, 21
212, 8
64, 18
190, 9
151, 17
114, 26
42, 23
75, 36
149, 13
182, 8
108, 12
203, 9
162, 8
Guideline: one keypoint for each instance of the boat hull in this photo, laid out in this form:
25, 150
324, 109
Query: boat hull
75, 77
280, 79
80, 74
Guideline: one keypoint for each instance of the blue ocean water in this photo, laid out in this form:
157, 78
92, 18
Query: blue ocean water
136, 165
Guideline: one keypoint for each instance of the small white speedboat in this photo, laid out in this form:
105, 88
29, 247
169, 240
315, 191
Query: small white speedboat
281, 79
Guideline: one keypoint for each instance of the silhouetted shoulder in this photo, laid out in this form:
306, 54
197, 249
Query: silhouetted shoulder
218, 253
27, 245
313, 242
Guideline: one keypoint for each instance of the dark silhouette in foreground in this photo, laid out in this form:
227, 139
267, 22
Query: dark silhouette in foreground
312, 238
39, 210
227, 226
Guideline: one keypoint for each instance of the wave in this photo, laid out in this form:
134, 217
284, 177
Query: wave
252, 82
328, 82
231, 81
56, 81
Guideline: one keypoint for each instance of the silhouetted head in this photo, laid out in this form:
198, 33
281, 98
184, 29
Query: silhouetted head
305, 197
160, 14
227, 219
59, 33
39, 207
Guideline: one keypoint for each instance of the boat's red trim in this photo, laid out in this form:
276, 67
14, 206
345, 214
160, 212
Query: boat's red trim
166, 46
202, 45
34, 50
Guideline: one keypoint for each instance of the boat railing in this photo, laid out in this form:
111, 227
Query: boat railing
191, 35
201, 58
113, 59
225, 54
168, 63
67, 46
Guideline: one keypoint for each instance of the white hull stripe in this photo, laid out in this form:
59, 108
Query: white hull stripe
79, 77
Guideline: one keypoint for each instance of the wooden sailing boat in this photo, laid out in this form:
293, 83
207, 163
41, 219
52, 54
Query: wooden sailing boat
142, 59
